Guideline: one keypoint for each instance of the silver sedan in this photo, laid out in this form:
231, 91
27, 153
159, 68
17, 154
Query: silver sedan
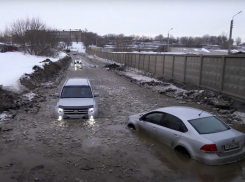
196, 133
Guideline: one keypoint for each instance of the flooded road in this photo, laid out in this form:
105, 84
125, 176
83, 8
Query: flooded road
40, 148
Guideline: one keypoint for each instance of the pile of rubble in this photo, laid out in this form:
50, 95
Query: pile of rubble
114, 67
45, 74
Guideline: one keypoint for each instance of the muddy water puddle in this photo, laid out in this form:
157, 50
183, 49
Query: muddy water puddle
177, 162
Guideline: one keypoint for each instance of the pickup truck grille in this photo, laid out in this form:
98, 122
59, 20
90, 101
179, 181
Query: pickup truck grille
76, 110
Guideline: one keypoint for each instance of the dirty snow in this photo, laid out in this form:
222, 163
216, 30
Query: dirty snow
14, 64
241, 115
221, 50
30, 95
140, 77
4, 117
202, 49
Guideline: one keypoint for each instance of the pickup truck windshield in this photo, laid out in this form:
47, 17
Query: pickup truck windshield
76, 92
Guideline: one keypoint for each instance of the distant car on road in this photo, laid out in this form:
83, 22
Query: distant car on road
78, 62
76, 100
196, 133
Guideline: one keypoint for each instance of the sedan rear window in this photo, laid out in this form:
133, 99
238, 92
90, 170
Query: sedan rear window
209, 125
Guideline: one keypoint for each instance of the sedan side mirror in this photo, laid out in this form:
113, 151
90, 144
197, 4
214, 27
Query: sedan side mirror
96, 95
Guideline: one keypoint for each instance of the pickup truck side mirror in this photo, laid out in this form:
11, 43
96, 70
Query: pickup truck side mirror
57, 95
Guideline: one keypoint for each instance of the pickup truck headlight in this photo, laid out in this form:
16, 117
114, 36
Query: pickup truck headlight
60, 110
91, 110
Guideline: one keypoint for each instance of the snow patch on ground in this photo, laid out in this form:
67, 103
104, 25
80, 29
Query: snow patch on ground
240, 115
202, 49
4, 117
140, 77
14, 64
30, 95
222, 50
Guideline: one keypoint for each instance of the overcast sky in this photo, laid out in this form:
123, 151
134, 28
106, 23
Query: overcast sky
138, 17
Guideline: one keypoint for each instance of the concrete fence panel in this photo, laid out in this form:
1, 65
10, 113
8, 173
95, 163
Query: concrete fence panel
152, 67
193, 69
123, 58
168, 66
159, 65
133, 60
128, 59
212, 72
234, 77
141, 62
137, 59
178, 73
114, 57
146, 62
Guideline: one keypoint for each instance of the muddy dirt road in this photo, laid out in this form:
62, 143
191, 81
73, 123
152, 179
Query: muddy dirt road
40, 148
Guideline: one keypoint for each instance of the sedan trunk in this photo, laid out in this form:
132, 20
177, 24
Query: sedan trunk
227, 142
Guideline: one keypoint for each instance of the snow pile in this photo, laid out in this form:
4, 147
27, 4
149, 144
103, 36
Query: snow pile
104, 60
221, 50
30, 95
79, 47
14, 64
4, 117
202, 50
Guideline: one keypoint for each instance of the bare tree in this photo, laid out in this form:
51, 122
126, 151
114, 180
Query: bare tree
2, 38
238, 40
184, 40
198, 40
159, 37
67, 41
206, 39
33, 35
224, 42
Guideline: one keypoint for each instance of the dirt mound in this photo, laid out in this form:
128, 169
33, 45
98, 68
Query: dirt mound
114, 66
7, 100
45, 74
10, 100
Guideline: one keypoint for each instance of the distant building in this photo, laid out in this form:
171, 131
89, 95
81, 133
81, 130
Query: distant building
72, 35
8, 47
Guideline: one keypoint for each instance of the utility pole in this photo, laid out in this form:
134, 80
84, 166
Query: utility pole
231, 26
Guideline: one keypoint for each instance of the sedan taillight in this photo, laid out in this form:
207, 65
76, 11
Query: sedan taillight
209, 148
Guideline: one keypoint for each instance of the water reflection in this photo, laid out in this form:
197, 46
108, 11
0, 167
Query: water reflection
61, 122
180, 163
91, 121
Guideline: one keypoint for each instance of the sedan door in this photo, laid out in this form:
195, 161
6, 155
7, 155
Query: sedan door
170, 130
149, 122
